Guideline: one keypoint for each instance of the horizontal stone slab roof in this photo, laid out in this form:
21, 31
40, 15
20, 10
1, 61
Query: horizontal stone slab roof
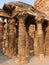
16, 8
4, 14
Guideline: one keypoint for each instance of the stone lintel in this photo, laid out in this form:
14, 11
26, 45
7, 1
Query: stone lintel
22, 16
4, 14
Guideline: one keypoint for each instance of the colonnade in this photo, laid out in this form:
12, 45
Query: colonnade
23, 47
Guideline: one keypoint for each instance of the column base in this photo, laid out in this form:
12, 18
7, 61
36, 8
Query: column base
6, 53
41, 56
21, 60
28, 54
9, 55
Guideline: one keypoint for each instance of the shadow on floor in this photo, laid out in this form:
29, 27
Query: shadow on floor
31, 55
3, 58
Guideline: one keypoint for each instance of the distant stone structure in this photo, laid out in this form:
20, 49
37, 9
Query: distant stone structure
25, 30
43, 6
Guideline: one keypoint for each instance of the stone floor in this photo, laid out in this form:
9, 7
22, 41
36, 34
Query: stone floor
33, 61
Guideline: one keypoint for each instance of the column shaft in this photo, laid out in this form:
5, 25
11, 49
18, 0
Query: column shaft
39, 40
27, 45
40, 37
1, 35
22, 39
11, 37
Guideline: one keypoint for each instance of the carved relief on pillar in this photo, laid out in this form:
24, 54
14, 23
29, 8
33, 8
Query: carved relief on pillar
39, 29
31, 30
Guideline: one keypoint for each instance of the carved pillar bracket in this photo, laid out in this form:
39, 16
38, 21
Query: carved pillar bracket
39, 21
39, 37
22, 39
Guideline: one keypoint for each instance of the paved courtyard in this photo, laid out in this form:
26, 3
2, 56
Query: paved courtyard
33, 61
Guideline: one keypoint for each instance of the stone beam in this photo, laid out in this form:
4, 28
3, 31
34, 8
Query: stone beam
4, 14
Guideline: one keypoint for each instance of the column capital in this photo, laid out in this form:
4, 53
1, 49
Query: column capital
11, 20
20, 16
39, 19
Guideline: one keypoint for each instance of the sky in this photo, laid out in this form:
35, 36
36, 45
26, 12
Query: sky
6, 1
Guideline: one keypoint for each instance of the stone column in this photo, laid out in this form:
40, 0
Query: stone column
31, 37
1, 35
27, 46
6, 39
11, 40
39, 39
22, 40
47, 41
16, 38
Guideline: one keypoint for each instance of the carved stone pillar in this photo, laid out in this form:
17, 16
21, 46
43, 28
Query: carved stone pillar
11, 39
22, 40
31, 37
27, 45
39, 39
6, 39
1, 35
16, 38
47, 41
